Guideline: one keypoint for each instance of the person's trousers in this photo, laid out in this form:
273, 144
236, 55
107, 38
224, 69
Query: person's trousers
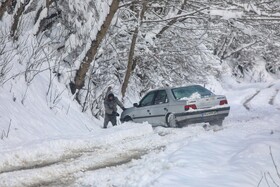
109, 118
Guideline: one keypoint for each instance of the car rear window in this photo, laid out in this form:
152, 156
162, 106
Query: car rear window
193, 92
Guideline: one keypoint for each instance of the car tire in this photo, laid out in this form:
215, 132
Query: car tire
171, 120
216, 122
127, 119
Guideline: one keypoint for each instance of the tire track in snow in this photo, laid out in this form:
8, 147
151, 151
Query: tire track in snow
178, 137
63, 173
53, 151
272, 99
42, 164
246, 103
69, 178
69, 155
66, 172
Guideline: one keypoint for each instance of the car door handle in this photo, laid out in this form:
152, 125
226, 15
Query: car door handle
165, 109
149, 112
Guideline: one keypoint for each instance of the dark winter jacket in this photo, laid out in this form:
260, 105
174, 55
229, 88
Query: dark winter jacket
111, 106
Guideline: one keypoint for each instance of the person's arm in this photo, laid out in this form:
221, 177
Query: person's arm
120, 104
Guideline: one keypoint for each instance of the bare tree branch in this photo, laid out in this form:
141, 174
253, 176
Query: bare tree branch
239, 49
175, 19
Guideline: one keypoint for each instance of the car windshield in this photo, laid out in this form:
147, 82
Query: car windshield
191, 92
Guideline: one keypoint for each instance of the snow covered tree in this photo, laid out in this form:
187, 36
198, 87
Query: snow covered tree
95, 43
140, 15
246, 30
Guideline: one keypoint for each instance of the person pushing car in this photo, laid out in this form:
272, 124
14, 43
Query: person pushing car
110, 104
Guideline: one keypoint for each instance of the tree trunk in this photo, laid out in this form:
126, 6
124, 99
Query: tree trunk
132, 48
79, 79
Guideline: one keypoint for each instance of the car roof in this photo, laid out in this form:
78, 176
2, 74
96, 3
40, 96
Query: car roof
169, 88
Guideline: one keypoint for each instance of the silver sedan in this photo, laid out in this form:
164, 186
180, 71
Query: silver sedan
179, 106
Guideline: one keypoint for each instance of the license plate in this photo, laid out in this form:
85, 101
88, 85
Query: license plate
209, 113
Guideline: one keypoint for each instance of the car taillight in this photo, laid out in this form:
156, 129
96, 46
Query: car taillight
223, 102
187, 107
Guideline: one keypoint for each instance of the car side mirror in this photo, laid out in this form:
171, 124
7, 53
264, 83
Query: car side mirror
135, 104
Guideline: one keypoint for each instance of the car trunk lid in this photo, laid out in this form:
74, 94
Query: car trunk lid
205, 102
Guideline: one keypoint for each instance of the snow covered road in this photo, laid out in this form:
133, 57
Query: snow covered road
54, 162
244, 153
241, 154
69, 159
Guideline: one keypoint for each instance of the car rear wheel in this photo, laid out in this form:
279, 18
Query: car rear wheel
171, 120
216, 122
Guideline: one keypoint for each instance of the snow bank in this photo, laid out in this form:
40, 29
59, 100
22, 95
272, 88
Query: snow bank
34, 113
233, 157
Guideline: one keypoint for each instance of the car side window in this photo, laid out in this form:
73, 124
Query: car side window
161, 97
148, 99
